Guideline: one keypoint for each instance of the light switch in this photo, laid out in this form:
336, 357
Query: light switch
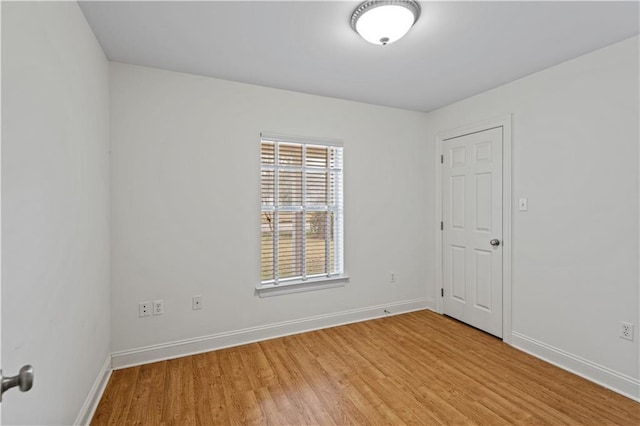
523, 204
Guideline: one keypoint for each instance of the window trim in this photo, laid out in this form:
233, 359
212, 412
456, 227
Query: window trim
315, 282
280, 137
298, 286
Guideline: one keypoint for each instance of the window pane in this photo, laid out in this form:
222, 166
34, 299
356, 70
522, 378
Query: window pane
335, 243
290, 188
289, 155
335, 158
316, 243
267, 227
268, 153
267, 187
316, 156
316, 189
335, 189
301, 198
289, 244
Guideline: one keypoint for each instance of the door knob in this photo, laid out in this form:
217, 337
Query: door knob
24, 380
495, 242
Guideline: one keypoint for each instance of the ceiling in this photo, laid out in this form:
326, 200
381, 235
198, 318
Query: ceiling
455, 50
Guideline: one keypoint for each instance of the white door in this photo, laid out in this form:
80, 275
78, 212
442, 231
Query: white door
472, 229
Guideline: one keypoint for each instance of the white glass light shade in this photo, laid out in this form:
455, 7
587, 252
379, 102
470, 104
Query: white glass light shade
384, 21
384, 24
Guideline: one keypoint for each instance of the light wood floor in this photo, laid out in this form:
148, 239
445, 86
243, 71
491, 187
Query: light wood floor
417, 368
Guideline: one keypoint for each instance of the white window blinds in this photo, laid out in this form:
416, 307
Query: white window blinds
301, 210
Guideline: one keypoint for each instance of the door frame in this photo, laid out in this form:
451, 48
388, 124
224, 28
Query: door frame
504, 122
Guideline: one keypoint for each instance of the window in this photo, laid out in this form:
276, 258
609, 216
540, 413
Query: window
302, 210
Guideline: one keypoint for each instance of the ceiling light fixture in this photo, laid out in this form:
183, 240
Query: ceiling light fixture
384, 21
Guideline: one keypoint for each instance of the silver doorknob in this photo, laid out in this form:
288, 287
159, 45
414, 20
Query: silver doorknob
495, 242
24, 380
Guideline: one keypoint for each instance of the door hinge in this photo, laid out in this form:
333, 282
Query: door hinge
442, 292
442, 159
442, 226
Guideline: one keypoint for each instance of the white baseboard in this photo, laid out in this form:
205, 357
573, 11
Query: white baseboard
148, 354
617, 382
93, 398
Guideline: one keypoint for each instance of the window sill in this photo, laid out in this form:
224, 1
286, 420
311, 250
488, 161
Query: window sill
298, 286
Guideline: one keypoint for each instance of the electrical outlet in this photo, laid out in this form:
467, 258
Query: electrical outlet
392, 277
196, 303
144, 309
626, 330
158, 307
523, 204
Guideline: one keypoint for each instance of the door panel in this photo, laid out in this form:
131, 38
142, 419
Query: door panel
483, 212
458, 273
472, 216
457, 202
483, 276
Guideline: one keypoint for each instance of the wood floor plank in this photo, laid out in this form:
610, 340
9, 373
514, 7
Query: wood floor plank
419, 368
272, 415
111, 402
117, 403
179, 402
259, 371
146, 404
207, 397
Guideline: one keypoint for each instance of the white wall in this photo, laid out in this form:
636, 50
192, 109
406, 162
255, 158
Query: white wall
575, 252
185, 206
55, 210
